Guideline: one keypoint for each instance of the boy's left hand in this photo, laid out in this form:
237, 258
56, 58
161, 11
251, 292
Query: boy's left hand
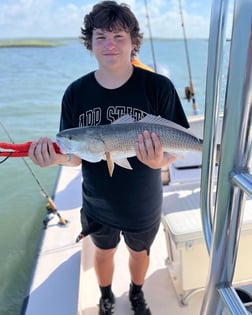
149, 151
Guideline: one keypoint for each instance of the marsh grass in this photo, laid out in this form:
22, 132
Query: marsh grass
30, 43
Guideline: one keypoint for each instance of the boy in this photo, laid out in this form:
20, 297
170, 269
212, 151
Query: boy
128, 203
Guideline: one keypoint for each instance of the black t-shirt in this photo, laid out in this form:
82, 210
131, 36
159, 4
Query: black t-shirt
130, 200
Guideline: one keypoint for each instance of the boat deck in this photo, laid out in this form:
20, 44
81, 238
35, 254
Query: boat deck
55, 284
64, 281
158, 288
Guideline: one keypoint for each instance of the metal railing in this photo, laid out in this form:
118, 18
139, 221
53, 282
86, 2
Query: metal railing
222, 227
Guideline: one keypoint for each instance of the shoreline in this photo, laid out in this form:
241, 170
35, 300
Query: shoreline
21, 43
56, 42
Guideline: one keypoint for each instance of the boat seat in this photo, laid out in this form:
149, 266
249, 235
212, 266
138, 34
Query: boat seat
186, 226
185, 168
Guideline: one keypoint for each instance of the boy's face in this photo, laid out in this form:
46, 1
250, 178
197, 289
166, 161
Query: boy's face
112, 49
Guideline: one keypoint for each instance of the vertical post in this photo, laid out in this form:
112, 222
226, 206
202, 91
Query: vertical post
234, 157
217, 38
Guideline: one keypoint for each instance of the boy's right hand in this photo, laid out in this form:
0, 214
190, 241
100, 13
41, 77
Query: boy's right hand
42, 153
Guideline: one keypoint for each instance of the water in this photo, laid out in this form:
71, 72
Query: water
32, 83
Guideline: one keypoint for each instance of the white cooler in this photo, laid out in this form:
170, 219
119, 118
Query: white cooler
187, 253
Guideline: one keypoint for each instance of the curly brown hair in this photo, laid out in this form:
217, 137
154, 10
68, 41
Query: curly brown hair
111, 16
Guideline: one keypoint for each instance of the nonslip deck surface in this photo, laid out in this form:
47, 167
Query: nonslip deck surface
64, 281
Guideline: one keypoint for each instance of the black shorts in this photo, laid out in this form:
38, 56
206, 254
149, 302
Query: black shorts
105, 237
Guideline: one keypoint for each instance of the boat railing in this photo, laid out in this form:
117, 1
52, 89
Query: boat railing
222, 220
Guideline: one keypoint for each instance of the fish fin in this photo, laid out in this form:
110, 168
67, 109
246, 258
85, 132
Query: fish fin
164, 122
126, 119
123, 163
109, 163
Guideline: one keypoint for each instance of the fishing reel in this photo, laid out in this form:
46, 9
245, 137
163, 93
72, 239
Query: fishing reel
51, 211
188, 93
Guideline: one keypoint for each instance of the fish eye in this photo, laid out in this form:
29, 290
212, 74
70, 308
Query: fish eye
70, 137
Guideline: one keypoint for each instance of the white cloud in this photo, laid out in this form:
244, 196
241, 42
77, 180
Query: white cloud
167, 23
31, 18
42, 18
21, 17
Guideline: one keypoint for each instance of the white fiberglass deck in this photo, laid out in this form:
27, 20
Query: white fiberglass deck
54, 288
64, 281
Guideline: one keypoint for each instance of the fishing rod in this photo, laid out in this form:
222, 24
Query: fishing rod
50, 205
151, 38
189, 90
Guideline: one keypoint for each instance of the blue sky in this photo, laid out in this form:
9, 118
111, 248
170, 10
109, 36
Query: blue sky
61, 18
